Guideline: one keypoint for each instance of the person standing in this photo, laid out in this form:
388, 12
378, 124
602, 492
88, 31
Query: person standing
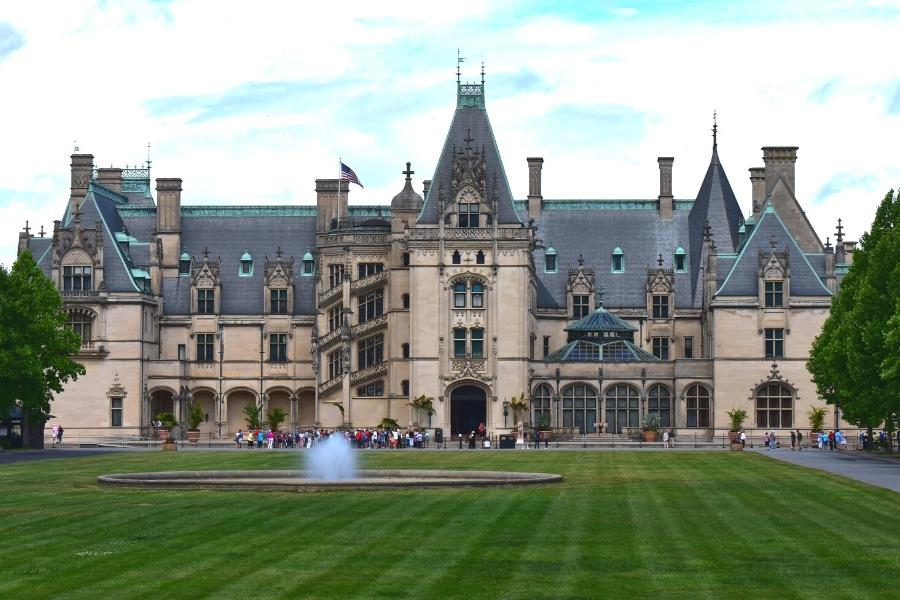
666, 438
54, 432
239, 437
59, 435
799, 440
743, 438
793, 440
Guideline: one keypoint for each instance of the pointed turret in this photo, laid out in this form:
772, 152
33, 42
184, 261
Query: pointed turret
717, 206
470, 159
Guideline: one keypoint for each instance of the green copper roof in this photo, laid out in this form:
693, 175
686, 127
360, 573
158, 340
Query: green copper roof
308, 256
185, 256
601, 320
246, 256
550, 250
600, 351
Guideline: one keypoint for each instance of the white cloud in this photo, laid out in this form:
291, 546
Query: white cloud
554, 87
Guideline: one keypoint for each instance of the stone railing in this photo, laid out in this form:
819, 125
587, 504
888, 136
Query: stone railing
350, 239
367, 282
329, 295
465, 233
331, 383
369, 325
80, 295
92, 348
369, 372
330, 337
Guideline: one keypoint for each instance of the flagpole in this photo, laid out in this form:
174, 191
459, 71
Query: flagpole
340, 171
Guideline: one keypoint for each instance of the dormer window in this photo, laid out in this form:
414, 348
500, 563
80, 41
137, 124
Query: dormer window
618, 261
469, 214
550, 260
308, 265
76, 279
184, 264
679, 260
246, 269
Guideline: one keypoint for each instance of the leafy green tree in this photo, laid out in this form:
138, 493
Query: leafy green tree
276, 418
253, 415
855, 361
36, 344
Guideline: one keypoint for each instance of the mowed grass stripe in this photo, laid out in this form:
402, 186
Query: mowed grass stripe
623, 523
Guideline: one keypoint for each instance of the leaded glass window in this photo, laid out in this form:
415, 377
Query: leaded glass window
477, 295
469, 214
371, 351
774, 294
81, 323
774, 343
622, 408
774, 406
580, 408
698, 406
371, 305
205, 347
76, 279
661, 348
206, 301
659, 402
478, 343
459, 295
459, 342
580, 305
661, 306
278, 301
540, 402
376, 388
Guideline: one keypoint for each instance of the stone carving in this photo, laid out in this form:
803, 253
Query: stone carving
369, 325
331, 383
660, 280
369, 372
330, 294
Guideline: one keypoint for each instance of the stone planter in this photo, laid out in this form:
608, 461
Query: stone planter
193, 435
163, 433
737, 446
649, 436
169, 445
734, 436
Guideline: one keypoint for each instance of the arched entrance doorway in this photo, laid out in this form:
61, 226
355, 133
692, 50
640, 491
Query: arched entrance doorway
161, 401
468, 408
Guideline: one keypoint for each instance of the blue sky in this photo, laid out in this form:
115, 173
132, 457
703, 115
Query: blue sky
251, 102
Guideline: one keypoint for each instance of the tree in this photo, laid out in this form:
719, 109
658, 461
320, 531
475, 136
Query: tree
253, 415
855, 361
36, 344
276, 418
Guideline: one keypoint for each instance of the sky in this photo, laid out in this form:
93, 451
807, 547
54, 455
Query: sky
250, 102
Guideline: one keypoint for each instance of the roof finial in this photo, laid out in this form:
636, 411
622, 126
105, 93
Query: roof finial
601, 290
27, 228
205, 253
839, 234
715, 128
41, 233
827, 243
408, 172
148, 157
279, 253
459, 61
482, 74
580, 260
659, 261
75, 143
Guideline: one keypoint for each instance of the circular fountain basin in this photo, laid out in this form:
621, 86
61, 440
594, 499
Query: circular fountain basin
296, 481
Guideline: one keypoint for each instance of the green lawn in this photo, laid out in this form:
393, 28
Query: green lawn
623, 524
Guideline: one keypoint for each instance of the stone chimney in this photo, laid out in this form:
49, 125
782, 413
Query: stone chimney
331, 207
666, 201
168, 220
758, 189
535, 165
110, 178
779, 162
82, 171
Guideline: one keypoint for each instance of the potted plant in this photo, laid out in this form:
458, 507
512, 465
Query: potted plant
252, 414
519, 405
423, 404
543, 422
195, 416
389, 424
816, 418
737, 417
166, 422
651, 426
276, 418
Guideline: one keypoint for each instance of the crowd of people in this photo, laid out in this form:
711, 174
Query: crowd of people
359, 438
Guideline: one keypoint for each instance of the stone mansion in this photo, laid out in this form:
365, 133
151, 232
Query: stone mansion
598, 311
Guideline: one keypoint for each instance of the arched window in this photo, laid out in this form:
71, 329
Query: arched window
455, 257
308, 264
679, 260
405, 299
246, 269
404, 388
774, 406
550, 260
580, 408
623, 407
477, 295
659, 402
618, 261
540, 404
459, 295
405, 349
81, 322
698, 406
479, 257
184, 264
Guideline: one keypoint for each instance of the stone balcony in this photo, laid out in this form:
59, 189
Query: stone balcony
369, 326
361, 285
331, 294
369, 373
331, 384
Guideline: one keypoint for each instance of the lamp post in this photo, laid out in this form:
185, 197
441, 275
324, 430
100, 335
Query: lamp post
505, 412
556, 400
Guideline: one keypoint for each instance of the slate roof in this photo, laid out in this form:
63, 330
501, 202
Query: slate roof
717, 204
608, 351
228, 238
470, 120
594, 233
602, 321
743, 278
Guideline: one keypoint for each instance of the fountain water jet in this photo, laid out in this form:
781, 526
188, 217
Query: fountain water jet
332, 460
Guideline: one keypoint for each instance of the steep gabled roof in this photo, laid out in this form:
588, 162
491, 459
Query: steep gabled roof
470, 121
716, 204
743, 277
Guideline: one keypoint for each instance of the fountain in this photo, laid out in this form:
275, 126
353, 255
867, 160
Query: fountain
332, 460
331, 466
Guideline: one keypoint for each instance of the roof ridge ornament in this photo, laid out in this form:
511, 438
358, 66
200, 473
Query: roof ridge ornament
715, 129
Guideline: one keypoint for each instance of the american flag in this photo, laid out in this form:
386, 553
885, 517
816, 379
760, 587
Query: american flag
347, 174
